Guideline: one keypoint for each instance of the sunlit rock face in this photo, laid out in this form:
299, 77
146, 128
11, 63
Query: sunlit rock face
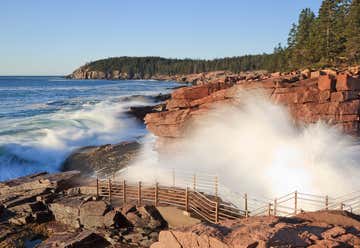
332, 99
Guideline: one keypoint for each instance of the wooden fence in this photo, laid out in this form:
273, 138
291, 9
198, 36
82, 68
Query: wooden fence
207, 207
204, 199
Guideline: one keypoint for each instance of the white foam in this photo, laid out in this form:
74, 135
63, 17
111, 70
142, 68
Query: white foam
257, 148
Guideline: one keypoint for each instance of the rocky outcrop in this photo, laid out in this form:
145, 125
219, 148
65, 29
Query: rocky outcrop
53, 210
107, 158
328, 95
318, 229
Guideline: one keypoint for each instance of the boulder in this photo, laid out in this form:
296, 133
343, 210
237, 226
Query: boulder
107, 158
306, 73
347, 82
326, 82
67, 211
141, 111
92, 214
79, 240
315, 74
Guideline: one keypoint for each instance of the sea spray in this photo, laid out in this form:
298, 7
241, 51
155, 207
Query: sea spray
256, 147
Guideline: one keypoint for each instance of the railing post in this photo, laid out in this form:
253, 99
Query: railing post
173, 177
216, 212
124, 192
97, 186
269, 209
216, 187
109, 186
139, 193
194, 182
326, 202
295, 202
275, 206
341, 206
187, 199
246, 205
156, 194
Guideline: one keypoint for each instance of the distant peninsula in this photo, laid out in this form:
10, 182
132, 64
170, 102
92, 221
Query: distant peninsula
158, 67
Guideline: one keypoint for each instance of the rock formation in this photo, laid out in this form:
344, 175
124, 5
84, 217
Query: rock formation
317, 229
326, 95
62, 210
107, 158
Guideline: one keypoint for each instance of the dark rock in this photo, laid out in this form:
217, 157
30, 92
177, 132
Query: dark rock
141, 111
42, 217
83, 239
107, 158
1, 210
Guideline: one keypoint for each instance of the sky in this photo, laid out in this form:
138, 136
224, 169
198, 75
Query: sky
42, 37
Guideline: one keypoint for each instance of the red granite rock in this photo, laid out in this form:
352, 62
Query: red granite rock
318, 98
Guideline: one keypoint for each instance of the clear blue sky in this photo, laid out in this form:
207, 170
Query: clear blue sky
44, 37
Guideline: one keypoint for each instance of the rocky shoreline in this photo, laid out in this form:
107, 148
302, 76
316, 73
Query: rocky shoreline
328, 95
62, 210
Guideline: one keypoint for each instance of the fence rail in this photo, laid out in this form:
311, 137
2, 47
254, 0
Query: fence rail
201, 194
207, 207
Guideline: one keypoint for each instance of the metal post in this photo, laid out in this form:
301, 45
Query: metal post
275, 206
342, 206
156, 194
109, 186
139, 193
295, 202
173, 177
246, 205
326, 202
216, 212
124, 191
194, 182
269, 209
216, 186
187, 199
97, 186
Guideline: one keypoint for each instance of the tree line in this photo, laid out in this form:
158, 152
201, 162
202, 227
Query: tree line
330, 38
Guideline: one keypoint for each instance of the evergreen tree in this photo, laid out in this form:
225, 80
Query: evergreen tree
299, 40
353, 32
330, 30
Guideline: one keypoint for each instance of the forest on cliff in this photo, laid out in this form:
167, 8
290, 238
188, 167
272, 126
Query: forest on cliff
329, 38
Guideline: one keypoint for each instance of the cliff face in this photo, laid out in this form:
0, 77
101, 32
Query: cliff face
327, 95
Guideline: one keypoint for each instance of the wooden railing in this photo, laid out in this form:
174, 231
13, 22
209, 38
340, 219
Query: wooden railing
209, 208
202, 195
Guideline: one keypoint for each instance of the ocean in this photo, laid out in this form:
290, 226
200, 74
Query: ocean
44, 119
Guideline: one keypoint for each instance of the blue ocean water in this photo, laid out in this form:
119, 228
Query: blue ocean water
43, 119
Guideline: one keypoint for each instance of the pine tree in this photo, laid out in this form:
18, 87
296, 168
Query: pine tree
353, 32
330, 29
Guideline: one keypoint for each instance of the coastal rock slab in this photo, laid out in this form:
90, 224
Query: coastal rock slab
271, 231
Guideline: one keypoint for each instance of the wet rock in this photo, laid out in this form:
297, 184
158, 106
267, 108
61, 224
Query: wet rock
107, 158
141, 111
